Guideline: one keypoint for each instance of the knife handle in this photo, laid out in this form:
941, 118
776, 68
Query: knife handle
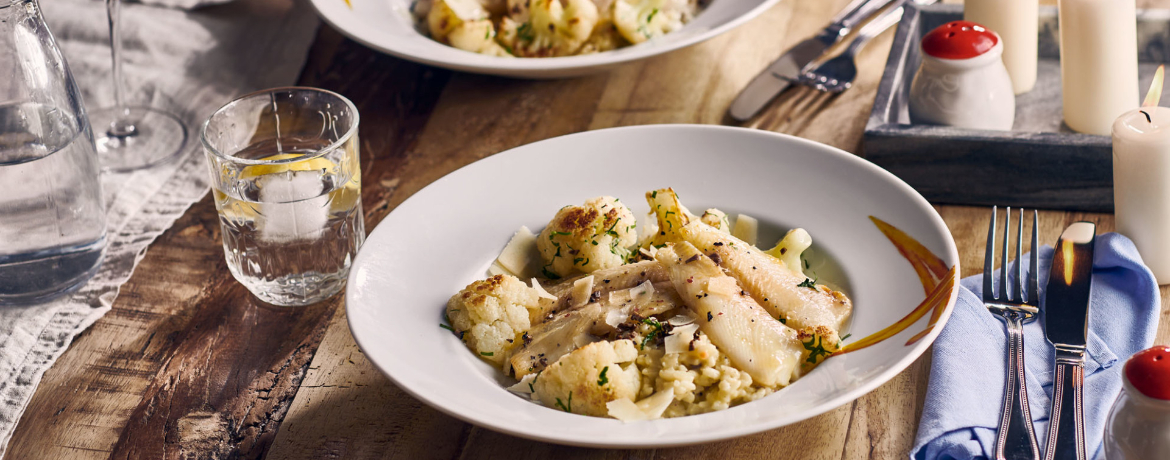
1066, 424
850, 17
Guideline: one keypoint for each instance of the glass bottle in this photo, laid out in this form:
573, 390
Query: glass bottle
52, 222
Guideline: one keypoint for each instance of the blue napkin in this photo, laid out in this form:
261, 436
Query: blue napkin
964, 398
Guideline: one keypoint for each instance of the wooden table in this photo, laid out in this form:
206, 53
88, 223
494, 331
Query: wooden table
189, 365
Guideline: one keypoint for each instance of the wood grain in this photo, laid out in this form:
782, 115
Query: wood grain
188, 365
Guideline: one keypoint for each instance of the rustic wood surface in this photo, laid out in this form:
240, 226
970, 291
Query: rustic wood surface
188, 365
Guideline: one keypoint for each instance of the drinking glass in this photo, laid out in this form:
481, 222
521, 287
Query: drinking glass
52, 225
132, 137
286, 177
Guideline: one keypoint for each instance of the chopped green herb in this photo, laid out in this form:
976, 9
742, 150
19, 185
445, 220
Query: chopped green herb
530, 388
594, 242
847, 336
444, 326
660, 246
602, 379
651, 16
524, 32
654, 194
550, 275
805, 263
487, 353
566, 407
656, 330
815, 349
783, 320
808, 283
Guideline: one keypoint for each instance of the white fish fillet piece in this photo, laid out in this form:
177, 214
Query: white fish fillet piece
754, 341
604, 281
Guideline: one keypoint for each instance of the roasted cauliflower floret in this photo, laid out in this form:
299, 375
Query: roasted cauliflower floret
641, 20
445, 16
717, 219
587, 238
552, 28
491, 315
582, 382
477, 36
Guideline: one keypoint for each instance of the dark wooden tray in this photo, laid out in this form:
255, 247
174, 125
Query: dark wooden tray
1040, 163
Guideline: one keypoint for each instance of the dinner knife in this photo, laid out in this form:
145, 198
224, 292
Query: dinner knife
1066, 324
786, 70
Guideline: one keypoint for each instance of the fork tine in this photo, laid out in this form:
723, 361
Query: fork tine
1018, 286
1003, 261
1033, 278
989, 259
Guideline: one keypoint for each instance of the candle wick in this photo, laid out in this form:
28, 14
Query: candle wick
1148, 119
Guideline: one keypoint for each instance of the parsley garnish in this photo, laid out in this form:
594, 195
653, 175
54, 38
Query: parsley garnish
815, 349
444, 326
533, 381
602, 380
808, 283
487, 353
651, 16
566, 407
656, 329
654, 194
524, 32
782, 320
555, 233
847, 336
550, 275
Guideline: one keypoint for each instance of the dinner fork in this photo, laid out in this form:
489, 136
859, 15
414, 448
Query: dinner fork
837, 74
1015, 437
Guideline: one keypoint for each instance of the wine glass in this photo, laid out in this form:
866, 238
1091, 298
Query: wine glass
132, 137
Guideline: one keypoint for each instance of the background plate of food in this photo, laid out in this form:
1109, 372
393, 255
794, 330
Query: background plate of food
533, 38
663, 295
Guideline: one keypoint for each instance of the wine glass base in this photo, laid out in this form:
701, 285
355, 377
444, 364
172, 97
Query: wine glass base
155, 137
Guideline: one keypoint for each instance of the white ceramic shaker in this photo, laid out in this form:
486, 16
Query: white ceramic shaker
1138, 427
962, 81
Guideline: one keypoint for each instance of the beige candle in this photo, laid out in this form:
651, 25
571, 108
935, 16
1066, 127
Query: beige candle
1098, 62
1016, 22
1141, 180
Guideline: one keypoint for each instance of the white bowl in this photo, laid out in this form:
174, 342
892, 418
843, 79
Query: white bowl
386, 26
447, 234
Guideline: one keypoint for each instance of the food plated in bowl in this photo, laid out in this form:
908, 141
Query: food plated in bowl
690, 317
392, 27
875, 238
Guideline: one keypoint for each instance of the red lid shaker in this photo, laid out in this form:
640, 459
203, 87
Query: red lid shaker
1138, 427
958, 40
962, 81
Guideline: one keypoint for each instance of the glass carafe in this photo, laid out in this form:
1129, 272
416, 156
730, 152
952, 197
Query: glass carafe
52, 222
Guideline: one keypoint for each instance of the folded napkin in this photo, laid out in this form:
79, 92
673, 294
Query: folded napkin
964, 398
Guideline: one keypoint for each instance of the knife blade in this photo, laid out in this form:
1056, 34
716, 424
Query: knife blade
785, 71
1066, 313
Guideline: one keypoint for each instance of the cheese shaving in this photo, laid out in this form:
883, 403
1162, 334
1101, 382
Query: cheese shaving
524, 387
521, 256
679, 340
650, 408
582, 290
497, 269
642, 293
619, 297
617, 316
746, 229
540, 292
681, 320
723, 285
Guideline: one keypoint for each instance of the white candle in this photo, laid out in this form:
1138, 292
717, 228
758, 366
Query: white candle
1141, 184
1098, 62
1017, 23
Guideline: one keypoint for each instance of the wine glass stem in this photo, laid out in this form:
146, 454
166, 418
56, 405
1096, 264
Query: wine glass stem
122, 126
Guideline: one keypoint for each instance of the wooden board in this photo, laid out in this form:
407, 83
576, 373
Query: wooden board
188, 365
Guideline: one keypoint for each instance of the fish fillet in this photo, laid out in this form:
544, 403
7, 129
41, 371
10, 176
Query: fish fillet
754, 341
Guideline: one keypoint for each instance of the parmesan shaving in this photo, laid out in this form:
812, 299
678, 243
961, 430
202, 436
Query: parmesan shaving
540, 292
650, 408
681, 320
620, 297
521, 256
723, 285
679, 340
497, 269
582, 290
524, 387
648, 229
617, 316
746, 229
642, 293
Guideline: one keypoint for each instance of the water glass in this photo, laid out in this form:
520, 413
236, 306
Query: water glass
286, 177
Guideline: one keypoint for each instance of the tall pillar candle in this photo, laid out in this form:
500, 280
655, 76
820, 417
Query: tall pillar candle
1098, 62
1141, 184
1017, 23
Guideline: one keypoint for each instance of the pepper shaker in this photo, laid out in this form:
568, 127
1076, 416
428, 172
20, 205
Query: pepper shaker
1138, 427
962, 81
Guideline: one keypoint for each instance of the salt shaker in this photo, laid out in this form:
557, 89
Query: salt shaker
962, 81
1138, 427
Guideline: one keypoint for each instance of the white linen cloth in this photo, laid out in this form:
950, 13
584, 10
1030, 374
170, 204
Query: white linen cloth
187, 62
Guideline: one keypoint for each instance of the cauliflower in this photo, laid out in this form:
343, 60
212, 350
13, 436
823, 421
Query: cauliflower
477, 36
641, 20
445, 16
605, 37
717, 219
587, 238
582, 382
553, 28
790, 247
490, 315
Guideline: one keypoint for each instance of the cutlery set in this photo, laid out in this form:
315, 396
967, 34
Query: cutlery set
1065, 326
810, 63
